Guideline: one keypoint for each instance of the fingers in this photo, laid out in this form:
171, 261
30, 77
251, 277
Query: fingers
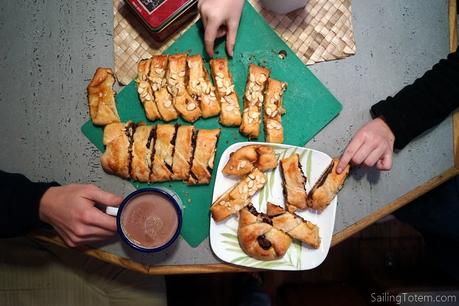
100, 196
349, 152
95, 217
374, 156
385, 163
209, 36
231, 37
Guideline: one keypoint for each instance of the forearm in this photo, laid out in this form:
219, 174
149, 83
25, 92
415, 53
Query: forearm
423, 104
19, 204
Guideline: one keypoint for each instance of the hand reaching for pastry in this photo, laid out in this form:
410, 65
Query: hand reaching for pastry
70, 210
220, 18
372, 145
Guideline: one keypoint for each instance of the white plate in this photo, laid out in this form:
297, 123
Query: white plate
223, 235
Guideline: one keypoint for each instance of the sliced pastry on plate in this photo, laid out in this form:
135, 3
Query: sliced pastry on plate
230, 114
161, 169
327, 186
145, 90
203, 156
294, 183
163, 98
253, 98
101, 97
142, 147
258, 237
273, 110
118, 144
186, 105
293, 225
200, 87
183, 152
238, 196
245, 159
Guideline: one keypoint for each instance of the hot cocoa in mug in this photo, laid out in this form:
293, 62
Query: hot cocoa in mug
148, 219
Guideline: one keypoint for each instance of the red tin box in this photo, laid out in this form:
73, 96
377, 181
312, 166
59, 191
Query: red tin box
164, 17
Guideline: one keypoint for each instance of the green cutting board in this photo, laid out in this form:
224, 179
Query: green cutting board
310, 106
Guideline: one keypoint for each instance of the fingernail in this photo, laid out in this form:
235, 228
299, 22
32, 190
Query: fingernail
338, 170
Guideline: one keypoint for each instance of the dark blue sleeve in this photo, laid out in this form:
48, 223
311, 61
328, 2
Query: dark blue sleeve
19, 202
423, 104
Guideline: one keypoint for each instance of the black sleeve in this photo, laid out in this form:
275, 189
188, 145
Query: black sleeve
19, 203
423, 104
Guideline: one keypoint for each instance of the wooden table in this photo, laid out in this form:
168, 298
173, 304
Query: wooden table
50, 52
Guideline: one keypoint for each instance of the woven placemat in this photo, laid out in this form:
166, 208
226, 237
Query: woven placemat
321, 31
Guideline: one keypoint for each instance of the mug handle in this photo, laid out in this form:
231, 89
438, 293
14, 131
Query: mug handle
111, 210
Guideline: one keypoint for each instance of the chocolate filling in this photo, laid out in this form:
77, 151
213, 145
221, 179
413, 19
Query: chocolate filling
193, 145
264, 243
252, 210
213, 155
322, 178
169, 167
264, 217
284, 185
151, 144
129, 131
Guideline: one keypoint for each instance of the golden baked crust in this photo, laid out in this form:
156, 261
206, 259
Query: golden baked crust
183, 152
142, 146
238, 196
200, 87
273, 110
327, 186
161, 169
230, 114
186, 106
253, 98
145, 90
157, 78
293, 225
294, 183
258, 238
203, 156
115, 159
101, 97
243, 160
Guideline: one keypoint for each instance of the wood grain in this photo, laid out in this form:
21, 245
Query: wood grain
452, 20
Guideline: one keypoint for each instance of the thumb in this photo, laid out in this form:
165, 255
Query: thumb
103, 197
231, 37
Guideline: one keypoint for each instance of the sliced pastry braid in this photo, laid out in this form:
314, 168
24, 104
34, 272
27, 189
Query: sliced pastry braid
163, 98
238, 196
273, 110
245, 159
327, 186
161, 169
183, 152
145, 90
293, 225
203, 157
142, 147
118, 145
258, 237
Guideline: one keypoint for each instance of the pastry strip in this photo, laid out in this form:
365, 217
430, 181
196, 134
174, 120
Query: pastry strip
273, 110
244, 159
185, 105
161, 169
293, 225
230, 114
145, 90
294, 183
163, 98
117, 155
327, 186
101, 98
203, 156
183, 152
253, 98
142, 146
200, 87
238, 196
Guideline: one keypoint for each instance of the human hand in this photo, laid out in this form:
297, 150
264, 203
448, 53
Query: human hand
220, 18
373, 144
70, 210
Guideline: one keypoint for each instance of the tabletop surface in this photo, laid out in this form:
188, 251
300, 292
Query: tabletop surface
50, 50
